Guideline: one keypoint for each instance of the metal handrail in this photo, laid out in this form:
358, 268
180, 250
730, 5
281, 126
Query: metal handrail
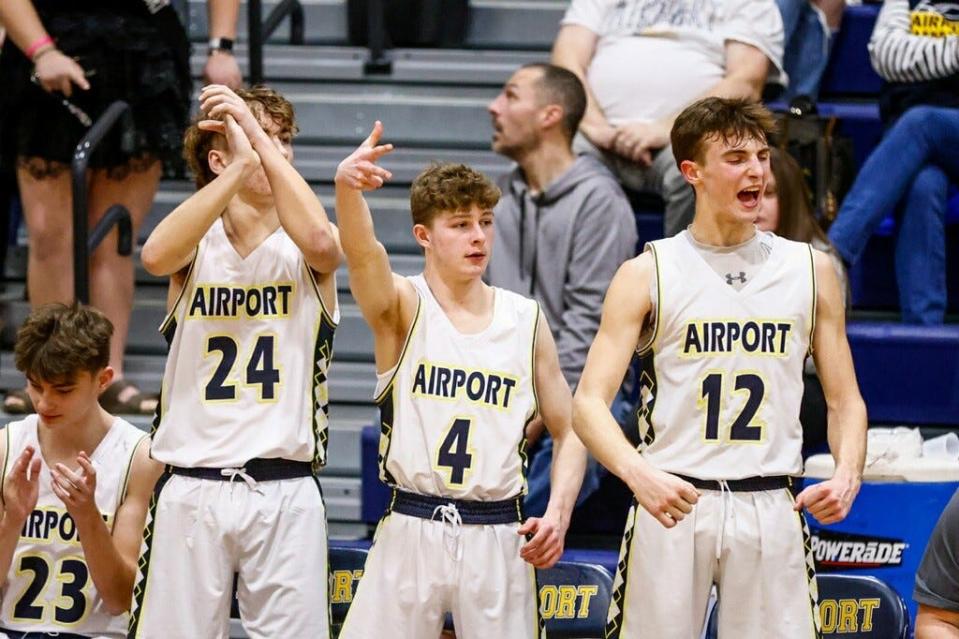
379, 62
85, 241
260, 30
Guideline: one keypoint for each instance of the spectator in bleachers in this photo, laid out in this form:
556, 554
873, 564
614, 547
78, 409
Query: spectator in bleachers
62, 65
563, 227
643, 61
787, 212
917, 52
808, 26
937, 580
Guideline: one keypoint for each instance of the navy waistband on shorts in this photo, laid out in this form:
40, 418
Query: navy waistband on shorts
33, 634
472, 512
258, 469
748, 484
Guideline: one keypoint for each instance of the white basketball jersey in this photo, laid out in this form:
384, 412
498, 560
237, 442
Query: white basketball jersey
49, 587
250, 348
454, 411
720, 394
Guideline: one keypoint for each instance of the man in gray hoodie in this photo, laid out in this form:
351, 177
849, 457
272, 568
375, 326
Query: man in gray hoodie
563, 227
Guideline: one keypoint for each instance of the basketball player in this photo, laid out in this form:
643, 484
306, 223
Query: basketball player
76, 486
462, 370
725, 316
242, 422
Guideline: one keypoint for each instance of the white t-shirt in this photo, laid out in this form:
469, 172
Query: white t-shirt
654, 57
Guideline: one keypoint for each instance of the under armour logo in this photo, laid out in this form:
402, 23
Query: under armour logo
730, 277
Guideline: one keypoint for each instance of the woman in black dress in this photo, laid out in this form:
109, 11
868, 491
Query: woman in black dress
63, 63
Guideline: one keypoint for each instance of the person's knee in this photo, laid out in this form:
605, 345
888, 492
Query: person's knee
931, 185
48, 242
922, 120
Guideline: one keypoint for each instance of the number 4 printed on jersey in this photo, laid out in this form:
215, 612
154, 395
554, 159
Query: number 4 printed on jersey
455, 452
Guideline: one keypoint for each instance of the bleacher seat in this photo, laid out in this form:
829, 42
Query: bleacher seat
849, 72
907, 374
852, 607
346, 570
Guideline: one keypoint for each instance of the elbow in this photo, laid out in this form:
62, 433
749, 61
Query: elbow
579, 414
116, 605
151, 260
325, 253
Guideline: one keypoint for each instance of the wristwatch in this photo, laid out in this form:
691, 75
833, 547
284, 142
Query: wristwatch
220, 44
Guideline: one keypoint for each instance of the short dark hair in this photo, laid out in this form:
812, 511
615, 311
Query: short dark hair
731, 120
449, 187
563, 87
56, 342
197, 143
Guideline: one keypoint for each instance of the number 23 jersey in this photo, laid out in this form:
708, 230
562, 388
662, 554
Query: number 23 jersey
250, 348
454, 410
49, 587
720, 394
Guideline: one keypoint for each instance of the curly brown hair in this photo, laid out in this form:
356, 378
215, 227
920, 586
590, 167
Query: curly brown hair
443, 188
731, 120
56, 342
266, 103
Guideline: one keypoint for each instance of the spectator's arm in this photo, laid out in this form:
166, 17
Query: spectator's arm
746, 71
936, 623
898, 55
221, 66
593, 261
574, 49
937, 579
22, 22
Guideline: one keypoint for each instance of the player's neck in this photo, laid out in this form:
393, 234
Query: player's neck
247, 225
65, 441
713, 231
468, 303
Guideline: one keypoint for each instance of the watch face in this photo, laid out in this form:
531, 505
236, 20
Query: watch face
221, 44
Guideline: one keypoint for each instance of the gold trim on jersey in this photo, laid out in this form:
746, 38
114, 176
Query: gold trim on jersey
532, 362
143, 563
616, 617
406, 346
646, 348
171, 315
311, 276
6, 459
125, 477
815, 295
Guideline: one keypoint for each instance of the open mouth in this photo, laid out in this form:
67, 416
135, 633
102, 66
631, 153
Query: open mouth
749, 197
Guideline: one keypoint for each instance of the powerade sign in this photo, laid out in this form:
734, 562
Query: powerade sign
844, 551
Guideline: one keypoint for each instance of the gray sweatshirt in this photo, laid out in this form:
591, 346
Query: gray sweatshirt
562, 248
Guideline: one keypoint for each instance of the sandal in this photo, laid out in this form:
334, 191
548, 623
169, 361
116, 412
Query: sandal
17, 402
135, 403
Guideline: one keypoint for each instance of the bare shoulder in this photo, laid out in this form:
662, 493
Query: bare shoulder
144, 470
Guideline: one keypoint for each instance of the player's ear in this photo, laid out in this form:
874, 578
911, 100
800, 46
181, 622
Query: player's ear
691, 171
105, 378
422, 235
218, 160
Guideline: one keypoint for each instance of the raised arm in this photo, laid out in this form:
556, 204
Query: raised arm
387, 301
626, 308
569, 456
301, 213
111, 558
829, 502
173, 242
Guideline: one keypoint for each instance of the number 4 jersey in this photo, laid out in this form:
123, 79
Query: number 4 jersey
722, 379
250, 347
49, 588
454, 409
